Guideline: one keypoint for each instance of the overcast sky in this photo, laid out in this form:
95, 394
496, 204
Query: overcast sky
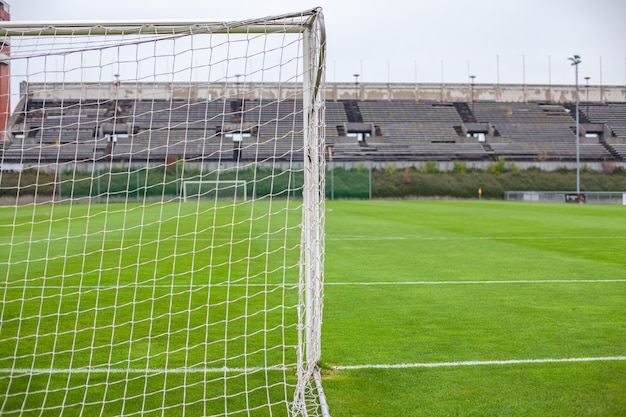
415, 40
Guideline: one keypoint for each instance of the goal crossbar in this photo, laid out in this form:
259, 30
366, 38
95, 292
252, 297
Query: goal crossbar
287, 23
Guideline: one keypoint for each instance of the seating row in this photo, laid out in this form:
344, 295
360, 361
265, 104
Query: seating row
403, 129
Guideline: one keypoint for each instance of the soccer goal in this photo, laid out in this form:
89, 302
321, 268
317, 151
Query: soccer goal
200, 190
119, 297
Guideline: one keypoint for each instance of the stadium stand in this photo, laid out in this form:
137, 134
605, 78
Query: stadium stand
612, 119
146, 130
56, 130
535, 131
613, 115
407, 130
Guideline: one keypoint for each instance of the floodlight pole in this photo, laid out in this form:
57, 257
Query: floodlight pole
587, 99
117, 86
575, 61
237, 85
356, 86
472, 77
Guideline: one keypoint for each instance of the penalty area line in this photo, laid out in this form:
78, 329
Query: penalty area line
13, 286
192, 370
131, 286
478, 363
143, 371
520, 281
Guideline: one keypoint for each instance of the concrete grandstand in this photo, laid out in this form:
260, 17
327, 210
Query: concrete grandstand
66, 122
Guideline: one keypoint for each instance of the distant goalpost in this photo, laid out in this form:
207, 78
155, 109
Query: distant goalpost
119, 297
201, 190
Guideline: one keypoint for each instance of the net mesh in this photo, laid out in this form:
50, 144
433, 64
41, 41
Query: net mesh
118, 296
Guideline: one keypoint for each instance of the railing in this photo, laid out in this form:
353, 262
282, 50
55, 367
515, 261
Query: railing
590, 197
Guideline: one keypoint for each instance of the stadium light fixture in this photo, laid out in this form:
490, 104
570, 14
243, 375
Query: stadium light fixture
575, 60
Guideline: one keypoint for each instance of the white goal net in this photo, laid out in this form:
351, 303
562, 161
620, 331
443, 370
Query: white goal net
138, 276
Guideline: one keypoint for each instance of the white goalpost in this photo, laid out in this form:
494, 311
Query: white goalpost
162, 217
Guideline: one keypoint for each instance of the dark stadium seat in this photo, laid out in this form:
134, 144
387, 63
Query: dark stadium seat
403, 130
535, 131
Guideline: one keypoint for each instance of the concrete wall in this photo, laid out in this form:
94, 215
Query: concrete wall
478, 92
334, 91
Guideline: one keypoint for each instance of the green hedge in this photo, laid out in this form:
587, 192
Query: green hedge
410, 183
340, 183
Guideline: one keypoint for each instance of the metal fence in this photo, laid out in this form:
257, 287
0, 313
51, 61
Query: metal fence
589, 197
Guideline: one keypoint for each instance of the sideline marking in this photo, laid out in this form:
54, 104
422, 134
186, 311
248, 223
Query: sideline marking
367, 238
478, 363
144, 286
519, 237
103, 370
282, 368
521, 281
146, 239
13, 286
371, 237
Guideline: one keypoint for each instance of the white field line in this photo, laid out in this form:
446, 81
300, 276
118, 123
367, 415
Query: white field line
146, 371
198, 370
142, 286
148, 240
372, 238
519, 281
520, 238
367, 238
479, 363
295, 285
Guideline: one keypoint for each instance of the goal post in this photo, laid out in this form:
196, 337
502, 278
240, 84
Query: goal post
117, 296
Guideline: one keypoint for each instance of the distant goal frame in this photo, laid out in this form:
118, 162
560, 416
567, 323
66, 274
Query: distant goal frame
233, 183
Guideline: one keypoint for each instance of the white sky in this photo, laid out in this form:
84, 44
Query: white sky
524, 41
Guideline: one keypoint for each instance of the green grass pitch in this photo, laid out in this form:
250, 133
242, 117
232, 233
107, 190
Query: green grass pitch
432, 282
99, 307
437, 308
